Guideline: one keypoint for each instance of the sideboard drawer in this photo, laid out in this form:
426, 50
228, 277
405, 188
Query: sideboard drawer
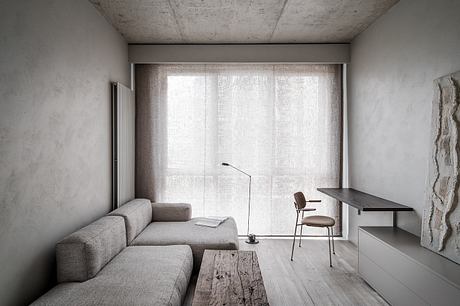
391, 289
422, 281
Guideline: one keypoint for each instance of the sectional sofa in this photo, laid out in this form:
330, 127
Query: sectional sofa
140, 254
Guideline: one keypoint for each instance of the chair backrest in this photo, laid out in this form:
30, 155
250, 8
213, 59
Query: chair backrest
299, 200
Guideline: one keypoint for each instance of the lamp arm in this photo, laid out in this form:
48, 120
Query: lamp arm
249, 190
239, 170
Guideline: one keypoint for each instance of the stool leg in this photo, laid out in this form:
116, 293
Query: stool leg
329, 243
333, 246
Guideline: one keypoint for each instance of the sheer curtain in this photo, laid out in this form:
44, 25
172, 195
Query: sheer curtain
279, 123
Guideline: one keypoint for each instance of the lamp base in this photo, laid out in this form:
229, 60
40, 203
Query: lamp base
252, 239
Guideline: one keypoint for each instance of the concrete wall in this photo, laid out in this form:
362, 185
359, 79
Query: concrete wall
57, 59
393, 65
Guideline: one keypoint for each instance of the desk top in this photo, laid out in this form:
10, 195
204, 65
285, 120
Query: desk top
363, 201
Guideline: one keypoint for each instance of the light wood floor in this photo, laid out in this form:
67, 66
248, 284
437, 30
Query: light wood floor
308, 280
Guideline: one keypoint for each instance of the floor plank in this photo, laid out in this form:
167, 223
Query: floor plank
308, 280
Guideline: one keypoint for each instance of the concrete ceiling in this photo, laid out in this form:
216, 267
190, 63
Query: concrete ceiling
241, 21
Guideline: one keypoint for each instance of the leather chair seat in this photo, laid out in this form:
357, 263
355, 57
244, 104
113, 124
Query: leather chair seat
318, 221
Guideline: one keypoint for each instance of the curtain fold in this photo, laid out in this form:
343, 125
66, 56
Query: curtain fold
280, 123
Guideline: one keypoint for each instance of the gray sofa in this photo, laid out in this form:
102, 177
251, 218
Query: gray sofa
139, 254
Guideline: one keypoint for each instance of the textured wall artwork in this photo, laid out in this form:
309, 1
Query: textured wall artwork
441, 222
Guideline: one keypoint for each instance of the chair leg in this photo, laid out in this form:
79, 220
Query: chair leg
333, 246
295, 232
329, 243
300, 238
301, 229
293, 241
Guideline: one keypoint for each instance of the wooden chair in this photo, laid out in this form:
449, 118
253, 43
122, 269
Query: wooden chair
300, 204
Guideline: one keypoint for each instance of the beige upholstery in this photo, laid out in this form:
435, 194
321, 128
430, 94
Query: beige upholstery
140, 276
95, 267
137, 214
199, 238
318, 221
81, 255
163, 212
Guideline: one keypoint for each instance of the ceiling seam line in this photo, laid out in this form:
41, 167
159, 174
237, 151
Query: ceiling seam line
179, 29
278, 20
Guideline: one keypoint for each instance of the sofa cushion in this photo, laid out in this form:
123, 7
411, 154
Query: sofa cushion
81, 255
223, 237
137, 214
142, 275
171, 212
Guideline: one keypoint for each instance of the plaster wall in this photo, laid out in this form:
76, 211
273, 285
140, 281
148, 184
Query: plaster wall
390, 92
57, 59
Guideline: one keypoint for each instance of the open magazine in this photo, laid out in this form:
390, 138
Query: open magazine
212, 221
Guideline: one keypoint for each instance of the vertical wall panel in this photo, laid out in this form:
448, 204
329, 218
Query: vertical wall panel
123, 144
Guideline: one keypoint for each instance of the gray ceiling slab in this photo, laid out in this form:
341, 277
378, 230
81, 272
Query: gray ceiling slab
141, 20
241, 21
327, 20
236, 21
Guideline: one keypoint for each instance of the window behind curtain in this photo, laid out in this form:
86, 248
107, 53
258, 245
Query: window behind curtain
280, 123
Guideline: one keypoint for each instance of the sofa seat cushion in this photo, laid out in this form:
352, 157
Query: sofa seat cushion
141, 275
223, 237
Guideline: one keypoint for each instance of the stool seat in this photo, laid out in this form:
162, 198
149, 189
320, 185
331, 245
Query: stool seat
318, 221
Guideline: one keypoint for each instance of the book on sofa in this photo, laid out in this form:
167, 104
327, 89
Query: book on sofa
212, 221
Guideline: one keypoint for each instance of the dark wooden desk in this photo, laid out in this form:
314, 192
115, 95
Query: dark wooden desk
364, 201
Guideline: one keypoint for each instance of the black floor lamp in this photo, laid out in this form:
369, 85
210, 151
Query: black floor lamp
251, 237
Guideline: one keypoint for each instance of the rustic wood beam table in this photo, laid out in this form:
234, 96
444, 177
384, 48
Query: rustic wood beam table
230, 278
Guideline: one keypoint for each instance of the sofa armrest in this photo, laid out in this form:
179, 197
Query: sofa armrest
171, 212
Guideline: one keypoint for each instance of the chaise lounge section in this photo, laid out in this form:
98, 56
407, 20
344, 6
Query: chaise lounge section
140, 254
161, 224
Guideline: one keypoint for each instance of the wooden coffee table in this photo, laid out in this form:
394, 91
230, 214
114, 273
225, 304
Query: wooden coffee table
229, 278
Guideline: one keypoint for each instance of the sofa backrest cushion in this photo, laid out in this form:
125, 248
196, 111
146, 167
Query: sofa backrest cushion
137, 214
164, 212
81, 255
